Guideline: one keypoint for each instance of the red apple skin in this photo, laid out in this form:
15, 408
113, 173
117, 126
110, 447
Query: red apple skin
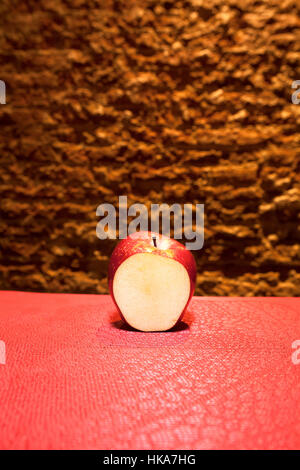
142, 242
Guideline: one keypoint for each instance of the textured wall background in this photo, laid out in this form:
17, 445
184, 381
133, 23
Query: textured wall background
183, 101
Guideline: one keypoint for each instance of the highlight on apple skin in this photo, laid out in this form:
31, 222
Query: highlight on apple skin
151, 280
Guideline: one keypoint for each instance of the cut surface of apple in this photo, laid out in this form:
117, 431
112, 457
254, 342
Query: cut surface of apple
151, 291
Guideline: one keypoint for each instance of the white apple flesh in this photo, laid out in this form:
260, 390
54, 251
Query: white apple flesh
151, 280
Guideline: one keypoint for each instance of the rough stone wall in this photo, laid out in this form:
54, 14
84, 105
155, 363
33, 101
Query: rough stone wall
165, 101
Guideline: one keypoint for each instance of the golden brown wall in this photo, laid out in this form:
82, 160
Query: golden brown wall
162, 101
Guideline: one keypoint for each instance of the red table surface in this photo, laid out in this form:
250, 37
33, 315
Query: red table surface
75, 378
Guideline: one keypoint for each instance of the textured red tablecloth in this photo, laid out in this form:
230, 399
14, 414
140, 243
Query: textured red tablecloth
74, 378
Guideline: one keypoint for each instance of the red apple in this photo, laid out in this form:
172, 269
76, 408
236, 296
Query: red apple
151, 280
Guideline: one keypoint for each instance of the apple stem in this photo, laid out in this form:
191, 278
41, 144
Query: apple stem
154, 241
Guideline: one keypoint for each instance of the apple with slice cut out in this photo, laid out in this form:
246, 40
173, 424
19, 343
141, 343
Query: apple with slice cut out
151, 280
